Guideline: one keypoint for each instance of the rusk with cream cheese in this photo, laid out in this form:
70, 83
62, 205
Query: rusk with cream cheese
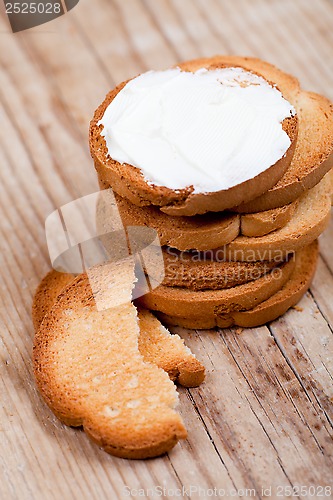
129, 181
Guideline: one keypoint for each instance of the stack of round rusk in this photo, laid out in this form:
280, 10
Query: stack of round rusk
230, 162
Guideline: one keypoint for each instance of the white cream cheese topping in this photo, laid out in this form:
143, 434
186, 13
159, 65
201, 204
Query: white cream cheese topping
212, 129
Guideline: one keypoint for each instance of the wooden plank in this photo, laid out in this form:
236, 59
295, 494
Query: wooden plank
258, 413
321, 290
326, 247
306, 342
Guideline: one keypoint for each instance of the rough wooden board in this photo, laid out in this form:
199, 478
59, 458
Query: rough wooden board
259, 393
326, 247
321, 290
262, 417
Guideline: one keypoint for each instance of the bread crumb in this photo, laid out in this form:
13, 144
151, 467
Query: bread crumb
133, 383
134, 403
111, 412
239, 330
298, 308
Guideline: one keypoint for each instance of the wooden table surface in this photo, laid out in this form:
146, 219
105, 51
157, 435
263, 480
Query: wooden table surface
262, 419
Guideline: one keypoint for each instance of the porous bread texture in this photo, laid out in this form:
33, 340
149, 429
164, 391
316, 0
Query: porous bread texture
313, 156
128, 181
90, 372
199, 232
310, 218
168, 351
268, 310
211, 304
156, 344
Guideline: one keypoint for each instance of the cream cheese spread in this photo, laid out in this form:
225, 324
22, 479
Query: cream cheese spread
212, 129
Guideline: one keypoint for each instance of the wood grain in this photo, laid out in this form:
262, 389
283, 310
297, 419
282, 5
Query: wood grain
263, 417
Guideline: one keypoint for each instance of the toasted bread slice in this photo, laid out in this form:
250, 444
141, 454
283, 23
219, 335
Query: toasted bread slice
156, 344
168, 351
200, 232
46, 294
265, 235
199, 271
90, 372
268, 310
287, 84
212, 304
310, 218
261, 223
129, 182
312, 159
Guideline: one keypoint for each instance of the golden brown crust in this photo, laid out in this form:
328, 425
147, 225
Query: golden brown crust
175, 301
311, 216
129, 182
308, 217
199, 232
268, 310
46, 294
312, 159
156, 344
262, 223
168, 351
199, 271
89, 370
